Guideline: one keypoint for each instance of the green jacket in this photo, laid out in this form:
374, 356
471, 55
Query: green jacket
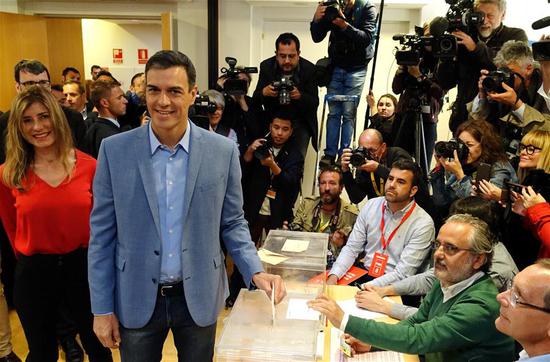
303, 219
462, 329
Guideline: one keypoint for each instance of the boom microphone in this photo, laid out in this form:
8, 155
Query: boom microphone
541, 23
438, 26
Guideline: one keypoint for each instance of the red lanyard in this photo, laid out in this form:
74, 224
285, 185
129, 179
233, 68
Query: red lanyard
385, 243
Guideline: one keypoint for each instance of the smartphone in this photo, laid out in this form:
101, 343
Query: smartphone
483, 172
514, 186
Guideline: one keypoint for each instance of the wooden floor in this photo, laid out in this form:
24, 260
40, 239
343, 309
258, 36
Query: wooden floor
169, 353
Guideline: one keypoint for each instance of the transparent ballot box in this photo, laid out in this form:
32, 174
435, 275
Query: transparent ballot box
298, 257
251, 334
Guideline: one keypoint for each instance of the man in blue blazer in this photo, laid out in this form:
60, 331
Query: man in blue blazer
163, 195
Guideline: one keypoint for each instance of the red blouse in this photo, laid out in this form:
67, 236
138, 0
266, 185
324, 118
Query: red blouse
539, 219
49, 220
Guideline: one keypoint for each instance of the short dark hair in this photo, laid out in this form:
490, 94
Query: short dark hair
95, 66
334, 169
102, 89
81, 88
165, 59
69, 69
483, 209
285, 112
287, 39
57, 87
32, 66
409, 165
137, 75
105, 73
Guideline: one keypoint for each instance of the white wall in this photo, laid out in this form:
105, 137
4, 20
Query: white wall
9, 6
101, 36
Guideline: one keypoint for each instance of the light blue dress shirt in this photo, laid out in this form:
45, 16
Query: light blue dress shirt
170, 173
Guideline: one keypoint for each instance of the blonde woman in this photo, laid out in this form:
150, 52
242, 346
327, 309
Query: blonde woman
46, 198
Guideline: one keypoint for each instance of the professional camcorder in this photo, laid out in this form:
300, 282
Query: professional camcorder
283, 86
461, 16
203, 105
446, 149
541, 50
360, 156
493, 81
233, 85
414, 47
331, 12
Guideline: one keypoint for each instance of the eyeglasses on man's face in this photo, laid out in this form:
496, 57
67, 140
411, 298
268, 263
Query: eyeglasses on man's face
513, 298
42, 83
529, 149
448, 249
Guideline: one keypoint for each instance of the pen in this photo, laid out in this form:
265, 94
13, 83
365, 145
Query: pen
358, 285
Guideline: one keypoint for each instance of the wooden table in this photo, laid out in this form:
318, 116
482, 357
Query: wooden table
339, 292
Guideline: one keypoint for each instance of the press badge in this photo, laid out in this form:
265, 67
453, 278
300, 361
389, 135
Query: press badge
344, 347
271, 194
378, 265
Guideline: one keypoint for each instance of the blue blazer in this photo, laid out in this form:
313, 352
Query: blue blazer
124, 251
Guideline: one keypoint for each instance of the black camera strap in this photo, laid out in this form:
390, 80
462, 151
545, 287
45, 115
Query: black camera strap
333, 222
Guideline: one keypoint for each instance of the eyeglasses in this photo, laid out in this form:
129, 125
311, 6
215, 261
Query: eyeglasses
514, 300
42, 83
448, 249
529, 149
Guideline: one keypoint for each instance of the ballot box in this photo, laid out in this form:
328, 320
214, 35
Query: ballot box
254, 331
300, 258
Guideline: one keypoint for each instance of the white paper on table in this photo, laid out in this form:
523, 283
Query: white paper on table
295, 245
270, 257
350, 306
336, 354
298, 309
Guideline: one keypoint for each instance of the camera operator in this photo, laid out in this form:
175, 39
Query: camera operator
299, 75
459, 159
418, 89
475, 52
274, 170
237, 113
509, 98
215, 115
351, 46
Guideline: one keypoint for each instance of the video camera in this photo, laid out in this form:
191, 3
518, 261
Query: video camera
360, 156
283, 86
200, 109
331, 12
414, 47
493, 81
461, 16
446, 149
233, 85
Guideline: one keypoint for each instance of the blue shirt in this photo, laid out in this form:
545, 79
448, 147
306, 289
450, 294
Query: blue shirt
170, 173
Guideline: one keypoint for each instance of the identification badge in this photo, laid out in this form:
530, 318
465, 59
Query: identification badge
271, 194
378, 265
344, 347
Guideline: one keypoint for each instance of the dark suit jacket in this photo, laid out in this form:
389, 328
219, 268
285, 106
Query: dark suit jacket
101, 128
304, 80
76, 123
286, 184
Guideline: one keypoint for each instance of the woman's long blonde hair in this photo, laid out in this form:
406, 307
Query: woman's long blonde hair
540, 139
20, 153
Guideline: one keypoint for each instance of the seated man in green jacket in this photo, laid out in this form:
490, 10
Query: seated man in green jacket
327, 213
455, 321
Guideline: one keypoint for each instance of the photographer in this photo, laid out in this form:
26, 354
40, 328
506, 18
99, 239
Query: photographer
351, 46
453, 177
215, 117
274, 170
509, 98
237, 113
534, 171
299, 84
476, 51
419, 93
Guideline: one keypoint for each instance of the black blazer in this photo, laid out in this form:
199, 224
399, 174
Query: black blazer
286, 184
101, 128
305, 107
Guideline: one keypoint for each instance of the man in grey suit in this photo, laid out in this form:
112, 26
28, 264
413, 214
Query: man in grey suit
163, 195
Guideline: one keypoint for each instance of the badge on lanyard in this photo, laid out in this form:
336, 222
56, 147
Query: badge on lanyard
379, 261
378, 266
271, 193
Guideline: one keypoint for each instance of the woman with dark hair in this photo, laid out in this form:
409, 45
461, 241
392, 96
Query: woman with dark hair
46, 198
383, 120
457, 179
